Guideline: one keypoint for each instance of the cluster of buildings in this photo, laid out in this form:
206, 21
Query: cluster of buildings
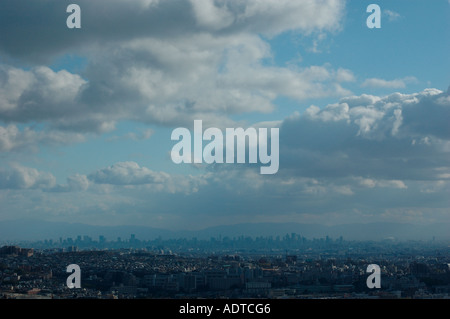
147, 273
16, 251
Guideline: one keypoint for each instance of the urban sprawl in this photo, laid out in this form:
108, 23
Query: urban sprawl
243, 267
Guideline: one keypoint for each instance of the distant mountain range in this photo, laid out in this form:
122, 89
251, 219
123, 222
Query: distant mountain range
30, 230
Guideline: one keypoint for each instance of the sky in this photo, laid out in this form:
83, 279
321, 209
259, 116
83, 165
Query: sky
86, 114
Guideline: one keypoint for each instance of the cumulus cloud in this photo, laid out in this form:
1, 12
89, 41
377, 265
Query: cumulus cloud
209, 64
75, 183
127, 173
211, 16
153, 19
21, 177
39, 94
131, 174
78, 182
45, 96
387, 138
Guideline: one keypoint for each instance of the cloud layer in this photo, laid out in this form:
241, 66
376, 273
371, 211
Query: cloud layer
361, 159
166, 62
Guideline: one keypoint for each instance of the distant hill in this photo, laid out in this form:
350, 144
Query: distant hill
18, 230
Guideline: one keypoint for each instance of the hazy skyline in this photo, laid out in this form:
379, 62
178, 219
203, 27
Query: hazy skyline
86, 114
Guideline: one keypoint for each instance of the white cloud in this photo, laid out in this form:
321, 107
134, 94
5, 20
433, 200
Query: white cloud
367, 182
392, 15
155, 19
392, 84
131, 174
332, 112
134, 136
127, 173
211, 16
209, 64
344, 190
344, 75
275, 16
21, 177
396, 137
38, 94
14, 139
75, 183
78, 182
163, 82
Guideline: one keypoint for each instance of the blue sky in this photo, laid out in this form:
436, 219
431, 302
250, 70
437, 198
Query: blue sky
86, 114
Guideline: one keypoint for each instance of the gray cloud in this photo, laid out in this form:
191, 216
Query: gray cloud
363, 158
142, 135
38, 95
13, 139
75, 183
144, 67
149, 91
43, 28
397, 137
20, 177
127, 173
366, 157
131, 174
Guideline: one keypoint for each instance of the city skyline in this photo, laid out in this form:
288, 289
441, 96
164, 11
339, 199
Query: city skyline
26, 231
86, 114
